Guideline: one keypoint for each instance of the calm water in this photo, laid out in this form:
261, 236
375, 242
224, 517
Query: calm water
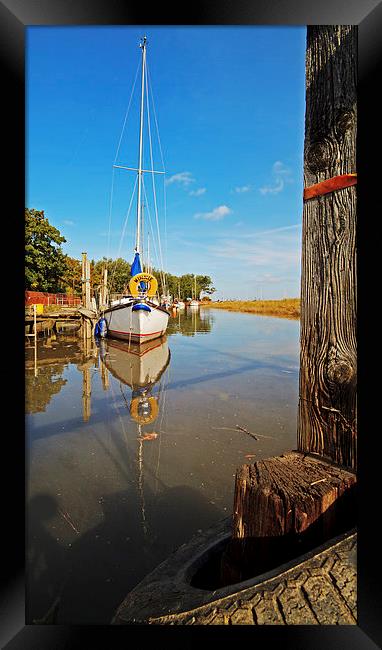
129, 456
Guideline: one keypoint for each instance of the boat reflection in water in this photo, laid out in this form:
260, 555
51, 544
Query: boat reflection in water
138, 367
141, 369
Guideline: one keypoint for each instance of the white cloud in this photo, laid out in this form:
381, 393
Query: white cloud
184, 178
242, 189
199, 192
68, 222
280, 169
215, 215
282, 174
273, 189
273, 253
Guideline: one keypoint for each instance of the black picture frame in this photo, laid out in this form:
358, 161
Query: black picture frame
15, 16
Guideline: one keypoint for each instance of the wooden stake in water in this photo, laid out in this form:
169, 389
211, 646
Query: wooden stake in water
35, 338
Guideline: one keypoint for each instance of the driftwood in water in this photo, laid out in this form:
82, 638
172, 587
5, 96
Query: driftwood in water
282, 506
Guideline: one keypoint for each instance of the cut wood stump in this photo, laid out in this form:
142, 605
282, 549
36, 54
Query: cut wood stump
284, 506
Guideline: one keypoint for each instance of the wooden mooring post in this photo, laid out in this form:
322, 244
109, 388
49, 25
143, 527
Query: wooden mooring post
305, 497
87, 326
34, 335
86, 281
103, 291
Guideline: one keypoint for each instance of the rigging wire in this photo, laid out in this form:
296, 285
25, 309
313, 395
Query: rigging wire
123, 231
161, 273
153, 187
115, 160
162, 158
110, 211
149, 91
126, 115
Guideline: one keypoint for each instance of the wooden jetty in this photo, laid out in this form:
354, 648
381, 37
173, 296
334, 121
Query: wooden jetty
68, 318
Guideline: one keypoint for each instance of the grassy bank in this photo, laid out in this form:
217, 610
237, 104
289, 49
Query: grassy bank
287, 308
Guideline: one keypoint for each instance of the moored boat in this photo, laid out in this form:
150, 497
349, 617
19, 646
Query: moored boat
138, 317
194, 302
136, 320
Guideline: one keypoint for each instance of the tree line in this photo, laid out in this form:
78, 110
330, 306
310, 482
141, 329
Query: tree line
49, 269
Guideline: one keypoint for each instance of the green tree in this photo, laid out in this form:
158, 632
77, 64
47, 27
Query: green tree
45, 263
72, 278
118, 274
204, 285
187, 286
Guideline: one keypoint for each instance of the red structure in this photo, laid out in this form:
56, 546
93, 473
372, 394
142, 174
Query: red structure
41, 298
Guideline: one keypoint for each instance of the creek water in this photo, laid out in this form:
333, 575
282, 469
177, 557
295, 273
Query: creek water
128, 456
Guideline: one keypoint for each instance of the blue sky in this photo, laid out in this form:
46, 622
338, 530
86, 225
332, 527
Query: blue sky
230, 107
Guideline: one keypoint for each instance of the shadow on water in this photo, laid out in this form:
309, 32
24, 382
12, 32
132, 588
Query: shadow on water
86, 582
253, 365
46, 560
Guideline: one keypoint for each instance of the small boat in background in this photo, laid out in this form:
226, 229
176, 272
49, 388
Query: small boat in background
194, 302
178, 303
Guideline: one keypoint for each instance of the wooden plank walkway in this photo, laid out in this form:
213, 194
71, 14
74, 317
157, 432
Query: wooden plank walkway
62, 319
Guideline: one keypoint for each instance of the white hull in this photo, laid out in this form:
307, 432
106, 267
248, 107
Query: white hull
136, 367
136, 326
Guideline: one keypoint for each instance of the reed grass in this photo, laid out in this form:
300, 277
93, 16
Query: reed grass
287, 308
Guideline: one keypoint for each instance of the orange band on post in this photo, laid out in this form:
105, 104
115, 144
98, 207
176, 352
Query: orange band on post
335, 183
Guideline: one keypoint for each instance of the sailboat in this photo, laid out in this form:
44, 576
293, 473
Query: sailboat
178, 303
137, 317
194, 302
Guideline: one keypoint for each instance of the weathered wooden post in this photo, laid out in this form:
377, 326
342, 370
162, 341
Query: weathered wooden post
35, 338
327, 407
86, 323
86, 281
83, 279
103, 290
301, 496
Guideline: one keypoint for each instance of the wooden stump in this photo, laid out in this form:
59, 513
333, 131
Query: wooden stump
284, 506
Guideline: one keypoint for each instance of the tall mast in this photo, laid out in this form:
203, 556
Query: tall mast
138, 240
